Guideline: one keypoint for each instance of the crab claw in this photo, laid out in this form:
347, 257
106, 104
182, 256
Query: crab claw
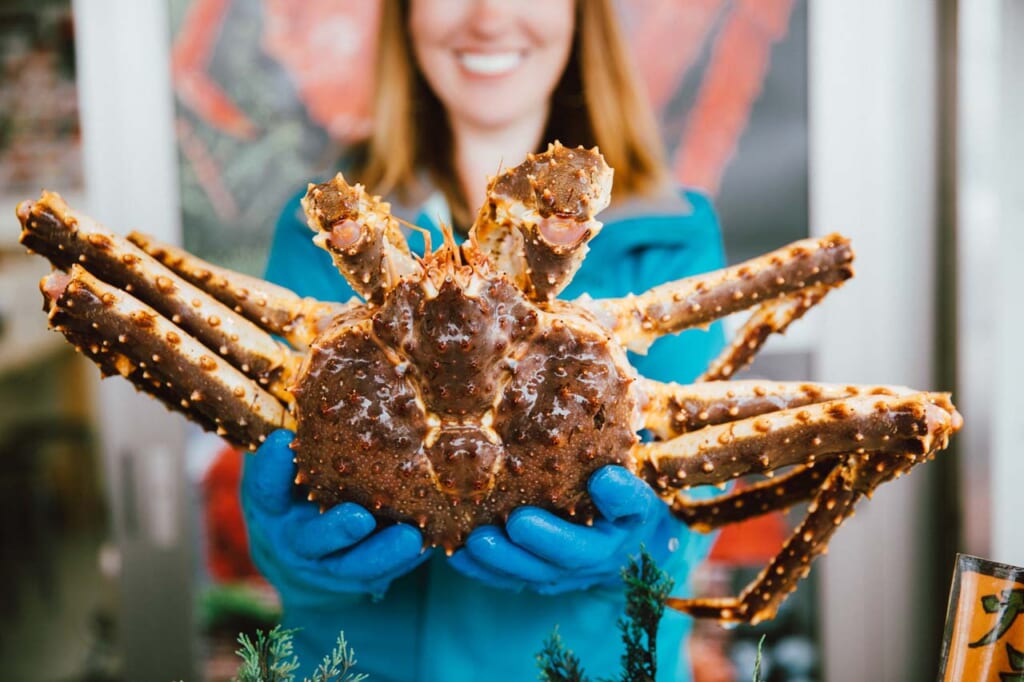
362, 237
539, 217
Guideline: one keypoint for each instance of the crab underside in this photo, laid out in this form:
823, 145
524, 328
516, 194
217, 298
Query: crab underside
459, 387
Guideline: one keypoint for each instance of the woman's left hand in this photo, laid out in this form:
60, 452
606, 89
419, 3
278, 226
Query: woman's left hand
549, 555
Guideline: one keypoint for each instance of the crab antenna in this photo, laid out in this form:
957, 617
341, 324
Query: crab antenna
422, 230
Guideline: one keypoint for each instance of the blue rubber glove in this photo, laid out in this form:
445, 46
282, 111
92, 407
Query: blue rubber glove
542, 552
303, 552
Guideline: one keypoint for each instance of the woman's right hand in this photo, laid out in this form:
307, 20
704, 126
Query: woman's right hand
302, 551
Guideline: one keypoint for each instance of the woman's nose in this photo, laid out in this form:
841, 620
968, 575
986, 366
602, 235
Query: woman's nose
491, 17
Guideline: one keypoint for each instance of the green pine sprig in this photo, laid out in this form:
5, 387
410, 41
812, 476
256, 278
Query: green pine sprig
271, 658
757, 661
647, 589
336, 666
557, 663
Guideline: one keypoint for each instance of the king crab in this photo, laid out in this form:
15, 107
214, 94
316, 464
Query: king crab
460, 388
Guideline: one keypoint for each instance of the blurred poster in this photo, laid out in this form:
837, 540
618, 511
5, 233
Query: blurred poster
729, 81
269, 92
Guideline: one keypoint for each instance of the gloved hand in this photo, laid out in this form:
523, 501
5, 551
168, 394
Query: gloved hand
542, 552
299, 550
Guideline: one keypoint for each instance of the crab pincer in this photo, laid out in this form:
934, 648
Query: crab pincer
539, 216
364, 240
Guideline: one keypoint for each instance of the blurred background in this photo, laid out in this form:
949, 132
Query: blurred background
898, 124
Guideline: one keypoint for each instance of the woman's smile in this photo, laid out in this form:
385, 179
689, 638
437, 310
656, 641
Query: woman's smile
490, 63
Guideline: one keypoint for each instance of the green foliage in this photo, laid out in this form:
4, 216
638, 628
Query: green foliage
1016, 658
647, 588
271, 659
335, 666
558, 664
757, 661
232, 607
1008, 609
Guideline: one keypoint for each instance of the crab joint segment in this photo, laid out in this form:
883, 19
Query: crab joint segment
834, 490
854, 445
68, 239
172, 363
671, 409
913, 425
761, 598
776, 494
771, 317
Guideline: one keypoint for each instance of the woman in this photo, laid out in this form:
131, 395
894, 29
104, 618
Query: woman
464, 87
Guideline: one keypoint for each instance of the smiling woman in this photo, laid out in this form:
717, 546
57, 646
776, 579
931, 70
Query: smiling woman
462, 88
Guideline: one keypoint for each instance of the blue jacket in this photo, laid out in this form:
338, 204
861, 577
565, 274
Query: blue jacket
434, 623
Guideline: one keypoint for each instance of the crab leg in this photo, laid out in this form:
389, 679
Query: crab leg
67, 238
138, 337
361, 235
842, 442
778, 494
672, 409
772, 317
914, 425
538, 217
638, 320
273, 308
855, 477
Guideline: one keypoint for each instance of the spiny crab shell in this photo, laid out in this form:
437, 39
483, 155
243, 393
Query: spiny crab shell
456, 398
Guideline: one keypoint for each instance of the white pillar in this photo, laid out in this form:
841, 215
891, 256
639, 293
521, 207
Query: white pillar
129, 159
1008, 432
873, 122
991, 238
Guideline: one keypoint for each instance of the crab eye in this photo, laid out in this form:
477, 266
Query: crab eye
345, 234
559, 231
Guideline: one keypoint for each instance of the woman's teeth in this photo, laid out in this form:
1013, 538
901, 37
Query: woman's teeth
491, 63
